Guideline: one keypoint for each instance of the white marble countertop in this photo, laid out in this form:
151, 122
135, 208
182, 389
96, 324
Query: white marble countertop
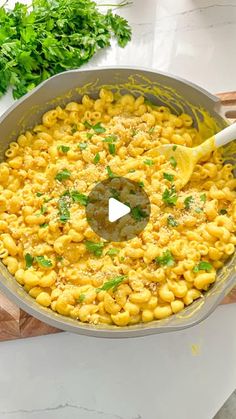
156, 377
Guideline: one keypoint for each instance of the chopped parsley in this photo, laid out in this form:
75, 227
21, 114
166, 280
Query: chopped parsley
96, 158
174, 147
110, 173
98, 128
44, 225
43, 209
198, 210
42, 261
112, 284
63, 175
188, 201
115, 193
112, 148
223, 211
168, 177
166, 259
89, 135
63, 206
112, 252
151, 130
81, 298
95, 248
110, 139
169, 196
38, 194
63, 148
79, 198
137, 213
74, 128
173, 162
171, 221
29, 260
141, 184
202, 266
149, 162
203, 197
82, 146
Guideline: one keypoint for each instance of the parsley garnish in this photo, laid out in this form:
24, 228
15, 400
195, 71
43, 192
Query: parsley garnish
110, 139
112, 284
110, 173
112, 252
43, 209
174, 147
63, 175
202, 266
98, 128
171, 221
137, 213
168, 177
223, 211
169, 196
51, 37
45, 263
166, 259
82, 146
198, 210
151, 130
63, 148
115, 193
149, 162
173, 162
112, 149
29, 260
141, 184
203, 197
96, 158
63, 206
188, 201
74, 129
79, 198
95, 248
81, 298
38, 194
44, 225
89, 135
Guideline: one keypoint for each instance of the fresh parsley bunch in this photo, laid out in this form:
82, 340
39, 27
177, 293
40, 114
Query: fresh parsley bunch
52, 36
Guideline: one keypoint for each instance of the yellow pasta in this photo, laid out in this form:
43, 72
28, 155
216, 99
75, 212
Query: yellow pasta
48, 245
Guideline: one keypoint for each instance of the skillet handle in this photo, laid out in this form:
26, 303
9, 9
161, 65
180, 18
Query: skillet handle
228, 105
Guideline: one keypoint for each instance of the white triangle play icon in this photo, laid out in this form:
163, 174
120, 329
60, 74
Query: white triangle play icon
116, 210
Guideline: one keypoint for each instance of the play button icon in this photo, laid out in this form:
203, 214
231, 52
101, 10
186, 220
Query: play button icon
118, 209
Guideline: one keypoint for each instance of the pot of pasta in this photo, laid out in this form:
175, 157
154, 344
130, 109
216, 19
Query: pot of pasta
76, 148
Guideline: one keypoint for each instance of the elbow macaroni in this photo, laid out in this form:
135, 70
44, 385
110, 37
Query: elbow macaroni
168, 266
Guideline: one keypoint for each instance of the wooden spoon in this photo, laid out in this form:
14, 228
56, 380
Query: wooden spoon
186, 157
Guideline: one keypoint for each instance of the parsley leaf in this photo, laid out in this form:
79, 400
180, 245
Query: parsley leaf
141, 184
149, 162
173, 162
110, 172
112, 252
203, 197
81, 298
188, 201
74, 129
169, 196
43, 209
112, 284
63, 206
174, 147
98, 128
44, 225
171, 221
82, 146
110, 139
79, 198
38, 194
63, 175
137, 213
198, 210
112, 149
42, 261
96, 158
202, 266
166, 259
95, 248
168, 177
29, 260
63, 148
115, 193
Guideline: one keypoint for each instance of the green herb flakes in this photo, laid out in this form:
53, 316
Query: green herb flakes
166, 259
168, 177
29, 260
82, 146
79, 198
171, 221
95, 248
96, 158
169, 196
203, 198
63, 175
42, 261
223, 211
137, 213
112, 284
63, 148
149, 162
173, 162
188, 202
110, 173
203, 266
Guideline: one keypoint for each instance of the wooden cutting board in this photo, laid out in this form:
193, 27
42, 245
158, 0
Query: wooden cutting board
16, 323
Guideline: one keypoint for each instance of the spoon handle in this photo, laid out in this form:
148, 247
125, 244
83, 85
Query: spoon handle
225, 136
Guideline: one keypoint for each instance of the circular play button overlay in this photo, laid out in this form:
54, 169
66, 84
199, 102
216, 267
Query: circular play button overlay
118, 209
